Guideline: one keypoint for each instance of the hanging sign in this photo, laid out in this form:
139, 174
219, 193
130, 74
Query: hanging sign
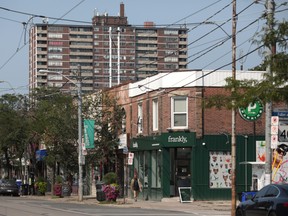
252, 112
89, 133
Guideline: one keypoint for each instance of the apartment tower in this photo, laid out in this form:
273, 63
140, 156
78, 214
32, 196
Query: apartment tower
106, 53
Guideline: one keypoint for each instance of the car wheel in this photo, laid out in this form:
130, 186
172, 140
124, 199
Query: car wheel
239, 212
272, 214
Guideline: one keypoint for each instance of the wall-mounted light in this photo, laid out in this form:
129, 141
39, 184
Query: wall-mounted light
203, 143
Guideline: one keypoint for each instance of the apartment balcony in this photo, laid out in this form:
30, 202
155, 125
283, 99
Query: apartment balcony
182, 63
81, 46
42, 38
40, 80
81, 60
146, 48
81, 53
81, 39
139, 61
183, 56
147, 55
146, 41
81, 32
183, 36
41, 59
183, 42
82, 68
146, 34
42, 52
147, 69
41, 45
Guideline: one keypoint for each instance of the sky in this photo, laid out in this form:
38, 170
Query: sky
209, 23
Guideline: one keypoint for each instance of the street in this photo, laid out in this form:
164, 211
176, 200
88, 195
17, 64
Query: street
25, 206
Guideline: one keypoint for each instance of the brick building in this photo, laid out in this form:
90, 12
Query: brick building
109, 51
178, 143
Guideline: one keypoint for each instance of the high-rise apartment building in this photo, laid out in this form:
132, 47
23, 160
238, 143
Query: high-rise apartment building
105, 53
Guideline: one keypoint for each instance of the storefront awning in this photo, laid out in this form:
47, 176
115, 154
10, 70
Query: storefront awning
252, 162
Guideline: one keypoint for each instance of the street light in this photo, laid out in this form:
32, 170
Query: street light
80, 154
3, 81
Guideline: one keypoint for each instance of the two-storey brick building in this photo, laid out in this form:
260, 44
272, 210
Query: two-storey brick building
177, 142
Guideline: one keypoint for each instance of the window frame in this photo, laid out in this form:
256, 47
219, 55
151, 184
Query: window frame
173, 113
155, 114
140, 118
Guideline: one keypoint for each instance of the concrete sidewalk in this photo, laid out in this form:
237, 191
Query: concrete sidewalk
172, 204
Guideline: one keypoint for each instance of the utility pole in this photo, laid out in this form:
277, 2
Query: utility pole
233, 126
80, 154
118, 55
270, 4
110, 57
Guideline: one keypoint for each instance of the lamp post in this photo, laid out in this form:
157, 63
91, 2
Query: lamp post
80, 154
3, 81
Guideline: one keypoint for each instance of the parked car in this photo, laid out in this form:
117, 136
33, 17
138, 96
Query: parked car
9, 187
271, 200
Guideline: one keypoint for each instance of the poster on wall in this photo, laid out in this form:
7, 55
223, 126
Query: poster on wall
279, 167
220, 169
279, 163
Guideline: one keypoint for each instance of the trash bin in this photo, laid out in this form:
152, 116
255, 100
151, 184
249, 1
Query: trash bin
25, 189
247, 195
57, 190
100, 195
19, 184
66, 190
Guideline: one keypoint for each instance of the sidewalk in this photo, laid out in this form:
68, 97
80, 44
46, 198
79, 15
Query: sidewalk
172, 204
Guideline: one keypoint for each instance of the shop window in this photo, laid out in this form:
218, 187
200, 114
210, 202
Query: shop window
179, 112
156, 169
220, 169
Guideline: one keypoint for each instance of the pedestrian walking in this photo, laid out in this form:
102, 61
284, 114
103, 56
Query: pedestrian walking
136, 186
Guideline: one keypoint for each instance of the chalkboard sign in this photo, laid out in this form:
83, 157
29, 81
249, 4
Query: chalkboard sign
185, 194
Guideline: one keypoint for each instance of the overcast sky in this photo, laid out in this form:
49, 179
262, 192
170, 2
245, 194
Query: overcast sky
14, 58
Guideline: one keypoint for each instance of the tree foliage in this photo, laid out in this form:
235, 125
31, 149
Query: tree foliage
103, 108
273, 87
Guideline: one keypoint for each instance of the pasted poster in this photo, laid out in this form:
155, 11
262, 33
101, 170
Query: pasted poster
279, 167
260, 151
220, 169
279, 162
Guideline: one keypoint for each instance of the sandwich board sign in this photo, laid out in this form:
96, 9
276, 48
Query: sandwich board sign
185, 194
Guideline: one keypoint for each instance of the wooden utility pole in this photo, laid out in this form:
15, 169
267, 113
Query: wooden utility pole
233, 126
271, 49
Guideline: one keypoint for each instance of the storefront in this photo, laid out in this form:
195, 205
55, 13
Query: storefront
172, 160
163, 163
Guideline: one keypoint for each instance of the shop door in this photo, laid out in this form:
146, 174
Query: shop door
180, 169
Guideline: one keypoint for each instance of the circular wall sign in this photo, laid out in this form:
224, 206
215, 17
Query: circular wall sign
252, 112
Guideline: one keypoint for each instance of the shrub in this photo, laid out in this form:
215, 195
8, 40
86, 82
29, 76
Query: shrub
111, 191
110, 178
58, 179
41, 186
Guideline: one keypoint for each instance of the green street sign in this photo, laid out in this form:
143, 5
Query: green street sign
252, 112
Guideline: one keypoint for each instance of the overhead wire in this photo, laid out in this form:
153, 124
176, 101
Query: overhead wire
165, 74
209, 33
241, 57
25, 43
176, 22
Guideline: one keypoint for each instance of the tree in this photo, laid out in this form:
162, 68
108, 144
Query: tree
55, 120
103, 108
13, 130
273, 87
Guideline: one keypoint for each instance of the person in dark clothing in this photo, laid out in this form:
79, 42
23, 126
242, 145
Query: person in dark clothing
136, 186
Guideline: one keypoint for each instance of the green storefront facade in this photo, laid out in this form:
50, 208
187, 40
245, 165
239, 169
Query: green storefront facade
178, 159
